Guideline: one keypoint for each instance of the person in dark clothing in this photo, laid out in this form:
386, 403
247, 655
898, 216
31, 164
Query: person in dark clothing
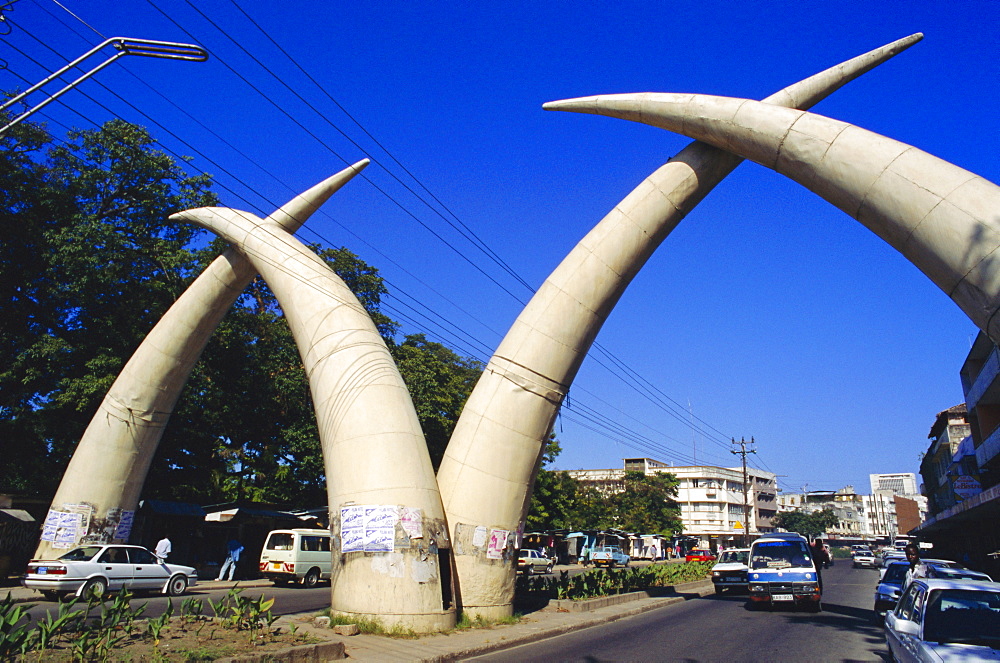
821, 558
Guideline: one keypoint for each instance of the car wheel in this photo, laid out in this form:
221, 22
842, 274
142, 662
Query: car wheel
95, 588
177, 586
548, 569
311, 579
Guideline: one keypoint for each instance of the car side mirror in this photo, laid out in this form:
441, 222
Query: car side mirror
906, 627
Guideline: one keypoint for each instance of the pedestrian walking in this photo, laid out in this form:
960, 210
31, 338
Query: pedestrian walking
234, 548
163, 548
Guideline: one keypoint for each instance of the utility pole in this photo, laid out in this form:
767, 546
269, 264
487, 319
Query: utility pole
746, 486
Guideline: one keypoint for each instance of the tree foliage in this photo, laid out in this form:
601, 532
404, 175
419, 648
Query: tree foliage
90, 262
808, 524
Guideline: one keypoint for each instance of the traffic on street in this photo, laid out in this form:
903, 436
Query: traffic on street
722, 628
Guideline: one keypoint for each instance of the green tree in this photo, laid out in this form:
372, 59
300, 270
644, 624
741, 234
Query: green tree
439, 382
648, 504
90, 262
555, 495
808, 524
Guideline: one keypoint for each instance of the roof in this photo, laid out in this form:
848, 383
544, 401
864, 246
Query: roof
970, 585
16, 514
173, 508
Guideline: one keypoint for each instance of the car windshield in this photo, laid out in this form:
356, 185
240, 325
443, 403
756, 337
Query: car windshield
895, 574
779, 555
963, 616
735, 556
81, 554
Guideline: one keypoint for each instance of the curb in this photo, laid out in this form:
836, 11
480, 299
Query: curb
587, 605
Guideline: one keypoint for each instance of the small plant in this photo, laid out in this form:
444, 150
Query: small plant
192, 609
155, 625
51, 627
15, 637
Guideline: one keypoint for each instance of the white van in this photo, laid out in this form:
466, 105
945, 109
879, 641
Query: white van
296, 555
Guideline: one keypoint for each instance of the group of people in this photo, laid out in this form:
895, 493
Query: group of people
233, 550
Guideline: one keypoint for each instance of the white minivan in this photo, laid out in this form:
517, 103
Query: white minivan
296, 555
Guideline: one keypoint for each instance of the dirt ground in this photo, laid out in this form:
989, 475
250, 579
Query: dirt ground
182, 639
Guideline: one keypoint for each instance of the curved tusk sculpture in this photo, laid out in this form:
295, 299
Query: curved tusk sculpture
109, 466
494, 453
942, 218
391, 559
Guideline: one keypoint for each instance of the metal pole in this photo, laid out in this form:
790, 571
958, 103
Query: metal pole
746, 486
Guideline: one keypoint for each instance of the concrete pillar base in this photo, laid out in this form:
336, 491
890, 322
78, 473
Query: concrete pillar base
489, 613
426, 623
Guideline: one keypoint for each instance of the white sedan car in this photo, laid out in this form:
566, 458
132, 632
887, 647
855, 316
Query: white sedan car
94, 570
945, 620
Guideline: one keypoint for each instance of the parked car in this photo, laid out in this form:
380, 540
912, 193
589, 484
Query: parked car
730, 572
296, 555
700, 555
609, 556
945, 620
532, 561
952, 573
94, 570
862, 558
889, 587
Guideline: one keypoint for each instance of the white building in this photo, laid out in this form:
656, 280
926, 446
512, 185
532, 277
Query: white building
902, 483
710, 498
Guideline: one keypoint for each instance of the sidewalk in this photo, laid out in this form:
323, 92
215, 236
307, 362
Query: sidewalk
457, 645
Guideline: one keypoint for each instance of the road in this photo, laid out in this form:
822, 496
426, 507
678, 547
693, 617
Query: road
286, 600
720, 628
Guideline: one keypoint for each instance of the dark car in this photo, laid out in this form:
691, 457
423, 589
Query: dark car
889, 587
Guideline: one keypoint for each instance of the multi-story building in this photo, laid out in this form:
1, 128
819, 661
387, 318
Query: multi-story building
710, 498
967, 528
901, 483
860, 517
949, 429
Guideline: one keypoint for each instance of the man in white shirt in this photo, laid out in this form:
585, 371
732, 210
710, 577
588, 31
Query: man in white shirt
917, 568
163, 549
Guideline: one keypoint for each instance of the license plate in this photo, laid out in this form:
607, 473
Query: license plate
41, 570
734, 579
275, 565
782, 597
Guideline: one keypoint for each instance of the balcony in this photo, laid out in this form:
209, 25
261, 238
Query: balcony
990, 448
987, 375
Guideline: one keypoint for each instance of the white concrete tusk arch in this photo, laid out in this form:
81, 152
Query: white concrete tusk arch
942, 218
111, 461
491, 461
374, 452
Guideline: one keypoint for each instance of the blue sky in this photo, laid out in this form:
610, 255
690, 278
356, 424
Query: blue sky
767, 313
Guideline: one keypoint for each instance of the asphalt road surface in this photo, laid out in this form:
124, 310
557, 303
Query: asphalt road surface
720, 628
286, 600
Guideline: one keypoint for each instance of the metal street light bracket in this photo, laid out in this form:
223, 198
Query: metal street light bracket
123, 46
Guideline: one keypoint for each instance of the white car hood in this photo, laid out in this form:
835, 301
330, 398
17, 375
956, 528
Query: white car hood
964, 653
729, 566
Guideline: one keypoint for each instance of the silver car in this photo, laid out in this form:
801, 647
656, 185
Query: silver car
945, 620
94, 570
